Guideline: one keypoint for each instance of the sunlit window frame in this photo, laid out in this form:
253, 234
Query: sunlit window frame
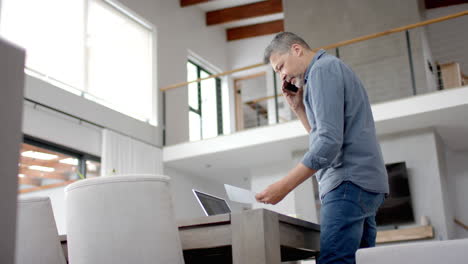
82, 92
153, 120
218, 100
81, 156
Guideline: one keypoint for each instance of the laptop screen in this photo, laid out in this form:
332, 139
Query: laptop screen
212, 205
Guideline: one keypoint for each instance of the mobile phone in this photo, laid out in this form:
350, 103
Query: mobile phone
291, 87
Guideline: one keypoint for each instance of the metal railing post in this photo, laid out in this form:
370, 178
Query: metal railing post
410, 58
164, 117
440, 81
257, 108
276, 97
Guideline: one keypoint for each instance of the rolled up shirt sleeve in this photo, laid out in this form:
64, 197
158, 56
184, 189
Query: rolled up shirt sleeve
326, 98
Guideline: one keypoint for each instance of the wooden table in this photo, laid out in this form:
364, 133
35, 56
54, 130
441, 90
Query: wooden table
254, 236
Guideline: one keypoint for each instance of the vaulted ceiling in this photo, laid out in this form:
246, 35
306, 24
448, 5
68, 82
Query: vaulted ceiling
242, 18
250, 18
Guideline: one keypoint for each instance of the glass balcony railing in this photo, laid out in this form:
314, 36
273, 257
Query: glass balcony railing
393, 64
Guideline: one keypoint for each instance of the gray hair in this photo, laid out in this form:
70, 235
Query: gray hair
282, 43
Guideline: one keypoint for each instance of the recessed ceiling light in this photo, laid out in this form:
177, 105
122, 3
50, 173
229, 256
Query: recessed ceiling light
70, 161
21, 175
38, 155
41, 168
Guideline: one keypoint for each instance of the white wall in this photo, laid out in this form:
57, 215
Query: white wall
419, 149
306, 194
245, 52
457, 174
444, 185
262, 177
54, 127
448, 39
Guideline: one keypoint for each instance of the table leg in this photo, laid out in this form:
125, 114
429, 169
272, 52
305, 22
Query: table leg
255, 237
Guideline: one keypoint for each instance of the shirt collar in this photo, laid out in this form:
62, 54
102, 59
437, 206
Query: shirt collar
316, 57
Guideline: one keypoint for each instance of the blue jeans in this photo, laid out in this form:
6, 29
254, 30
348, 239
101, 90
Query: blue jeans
347, 222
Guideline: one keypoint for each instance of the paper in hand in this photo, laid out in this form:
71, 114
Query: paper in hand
240, 195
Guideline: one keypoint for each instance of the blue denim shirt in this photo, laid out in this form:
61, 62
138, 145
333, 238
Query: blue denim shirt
343, 144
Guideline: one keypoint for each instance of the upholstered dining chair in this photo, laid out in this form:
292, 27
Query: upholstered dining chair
122, 219
37, 240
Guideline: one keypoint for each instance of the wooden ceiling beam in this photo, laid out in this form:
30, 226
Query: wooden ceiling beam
184, 3
437, 3
249, 31
236, 13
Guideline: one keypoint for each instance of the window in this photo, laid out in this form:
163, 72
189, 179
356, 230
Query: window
45, 165
93, 47
119, 52
52, 33
205, 104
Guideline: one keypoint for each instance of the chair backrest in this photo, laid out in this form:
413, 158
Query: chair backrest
37, 240
447, 252
122, 219
11, 108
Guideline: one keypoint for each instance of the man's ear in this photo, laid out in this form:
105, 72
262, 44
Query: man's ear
297, 49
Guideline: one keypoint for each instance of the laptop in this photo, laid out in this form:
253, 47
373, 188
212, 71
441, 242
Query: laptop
211, 204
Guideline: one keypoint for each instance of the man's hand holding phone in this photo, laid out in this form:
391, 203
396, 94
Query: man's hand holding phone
293, 96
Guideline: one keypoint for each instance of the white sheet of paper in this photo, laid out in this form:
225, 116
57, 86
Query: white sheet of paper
240, 195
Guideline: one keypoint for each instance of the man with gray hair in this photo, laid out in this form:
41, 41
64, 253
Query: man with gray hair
344, 153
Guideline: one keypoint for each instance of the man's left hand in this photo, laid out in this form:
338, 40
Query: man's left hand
273, 194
